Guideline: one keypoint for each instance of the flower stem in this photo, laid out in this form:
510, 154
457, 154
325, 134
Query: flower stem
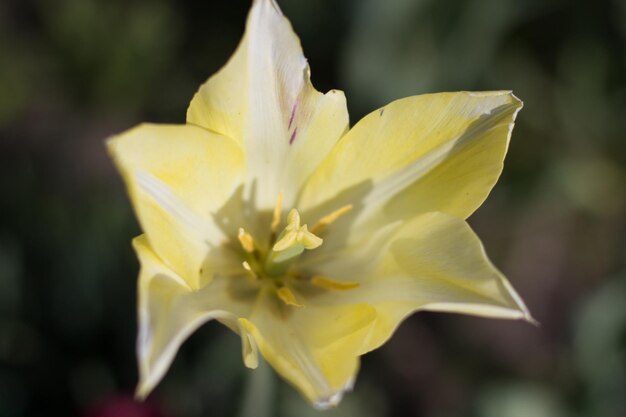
260, 393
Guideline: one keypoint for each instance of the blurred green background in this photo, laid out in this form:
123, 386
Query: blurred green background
73, 72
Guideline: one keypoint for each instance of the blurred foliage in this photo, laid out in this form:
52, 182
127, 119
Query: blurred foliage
73, 72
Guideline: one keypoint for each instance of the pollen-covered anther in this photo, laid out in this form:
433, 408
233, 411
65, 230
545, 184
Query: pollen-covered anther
331, 284
330, 218
288, 297
278, 211
246, 240
251, 274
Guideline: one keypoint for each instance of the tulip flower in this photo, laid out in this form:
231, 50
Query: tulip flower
311, 240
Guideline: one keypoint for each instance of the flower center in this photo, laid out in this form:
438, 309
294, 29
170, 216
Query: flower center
273, 265
292, 241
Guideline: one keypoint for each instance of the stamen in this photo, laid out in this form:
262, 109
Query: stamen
278, 211
330, 218
250, 271
331, 284
288, 297
246, 240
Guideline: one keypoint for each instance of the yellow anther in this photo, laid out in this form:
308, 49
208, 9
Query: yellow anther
278, 211
288, 297
331, 284
247, 243
330, 218
250, 271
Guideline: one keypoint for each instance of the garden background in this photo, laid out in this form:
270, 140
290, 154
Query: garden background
73, 72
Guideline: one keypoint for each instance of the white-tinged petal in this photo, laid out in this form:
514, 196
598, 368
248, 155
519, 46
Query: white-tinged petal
433, 152
434, 262
312, 347
169, 311
179, 177
264, 99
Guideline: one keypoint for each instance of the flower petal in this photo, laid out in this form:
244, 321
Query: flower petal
433, 152
314, 348
435, 262
178, 178
264, 99
169, 311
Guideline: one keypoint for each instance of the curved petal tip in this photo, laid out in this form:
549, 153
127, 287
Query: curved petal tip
333, 400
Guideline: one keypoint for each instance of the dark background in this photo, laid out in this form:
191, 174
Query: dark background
73, 72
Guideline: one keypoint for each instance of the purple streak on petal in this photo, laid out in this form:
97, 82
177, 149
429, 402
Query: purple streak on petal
293, 135
293, 113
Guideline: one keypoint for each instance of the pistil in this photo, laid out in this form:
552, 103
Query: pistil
293, 240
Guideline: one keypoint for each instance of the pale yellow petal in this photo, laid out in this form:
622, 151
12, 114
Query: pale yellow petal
315, 349
434, 262
178, 178
433, 152
169, 311
263, 98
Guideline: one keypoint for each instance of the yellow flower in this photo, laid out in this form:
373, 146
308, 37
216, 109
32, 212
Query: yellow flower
311, 241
